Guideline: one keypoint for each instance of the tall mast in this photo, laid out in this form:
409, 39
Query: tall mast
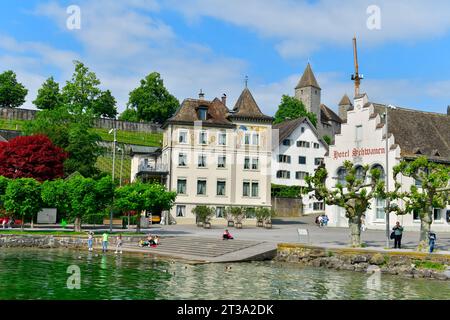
356, 77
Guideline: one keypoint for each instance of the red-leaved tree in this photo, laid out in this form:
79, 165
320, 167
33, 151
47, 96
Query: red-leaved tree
31, 157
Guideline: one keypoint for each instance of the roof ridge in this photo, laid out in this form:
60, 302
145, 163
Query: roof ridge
308, 79
409, 109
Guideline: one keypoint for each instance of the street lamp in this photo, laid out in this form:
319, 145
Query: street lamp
386, 174
114, 131
121, 164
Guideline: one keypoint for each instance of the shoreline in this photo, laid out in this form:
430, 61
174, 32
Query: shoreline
407, 264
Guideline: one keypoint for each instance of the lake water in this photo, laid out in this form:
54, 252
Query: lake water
42, 274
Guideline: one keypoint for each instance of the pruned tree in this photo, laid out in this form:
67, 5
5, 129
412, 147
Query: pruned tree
430, 190
355, 196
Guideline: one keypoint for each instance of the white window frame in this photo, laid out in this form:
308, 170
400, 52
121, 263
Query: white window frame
222, 133
205, 133
225, 188
185, 156
223, 156
185, 186
203, 155
183, 211
206, 187
180, 131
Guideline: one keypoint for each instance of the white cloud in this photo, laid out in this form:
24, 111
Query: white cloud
302, 27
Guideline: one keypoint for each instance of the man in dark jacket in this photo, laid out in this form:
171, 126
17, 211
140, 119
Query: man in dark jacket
398, 231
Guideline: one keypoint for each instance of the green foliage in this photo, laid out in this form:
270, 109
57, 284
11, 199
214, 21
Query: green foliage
421, 264
3, 185
433, 192
105, 106
72, 133
12, 93
283, 191
23, 198
151, 100
49, 96
203, 213
355, 197
82, 94
263, 214
129, 115
327, 139
54, 195
235, 213
292, 108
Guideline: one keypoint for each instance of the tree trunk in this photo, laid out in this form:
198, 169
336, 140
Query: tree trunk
138, 224
425, 227
77, 224
355, 231
32, 223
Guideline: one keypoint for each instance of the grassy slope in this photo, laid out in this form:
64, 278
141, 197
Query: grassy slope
128, 137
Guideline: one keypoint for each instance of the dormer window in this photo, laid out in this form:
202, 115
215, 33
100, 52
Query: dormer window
202, 113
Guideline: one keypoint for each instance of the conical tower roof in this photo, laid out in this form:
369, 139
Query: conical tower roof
247, 107
308, 79
345, 101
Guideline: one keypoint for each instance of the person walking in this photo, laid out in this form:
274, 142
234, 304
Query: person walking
119, 244
90, 240
398, 231
105, 241
325, 220
432, 240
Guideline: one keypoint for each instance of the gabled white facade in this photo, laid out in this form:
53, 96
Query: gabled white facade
362, 141
297, 156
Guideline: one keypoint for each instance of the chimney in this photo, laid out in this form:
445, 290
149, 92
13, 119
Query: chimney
224, 99
448, 110
201, 95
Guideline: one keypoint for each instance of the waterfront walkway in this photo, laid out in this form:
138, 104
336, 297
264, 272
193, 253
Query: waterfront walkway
201, 249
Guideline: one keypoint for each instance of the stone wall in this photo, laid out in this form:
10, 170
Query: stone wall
46, 242
28, 114
287, 207
407, 264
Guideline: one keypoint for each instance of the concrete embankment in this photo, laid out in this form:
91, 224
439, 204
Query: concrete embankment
195, 249
408, 264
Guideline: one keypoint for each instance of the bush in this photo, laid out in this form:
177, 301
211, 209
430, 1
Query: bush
263, 214
203, 213
286, 191
236, 213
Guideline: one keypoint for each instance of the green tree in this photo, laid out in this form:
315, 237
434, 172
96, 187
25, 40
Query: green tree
292, 108
129, 115
355, 196
3, 184
82, 94
23, 198
152, 101
72, 133
87, 197
105, 106
141, 197
327, 139
54, 195
203, 213
431, 192
12, 93
49, 96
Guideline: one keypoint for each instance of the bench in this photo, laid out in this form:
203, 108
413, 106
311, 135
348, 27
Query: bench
115, 222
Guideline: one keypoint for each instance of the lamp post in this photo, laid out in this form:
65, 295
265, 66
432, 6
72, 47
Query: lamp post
113, 170
121, 165
386, 177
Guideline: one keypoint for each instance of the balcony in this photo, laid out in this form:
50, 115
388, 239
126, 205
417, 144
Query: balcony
152, 168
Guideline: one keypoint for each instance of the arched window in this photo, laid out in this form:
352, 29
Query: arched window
341, 174
359, 173
380, 167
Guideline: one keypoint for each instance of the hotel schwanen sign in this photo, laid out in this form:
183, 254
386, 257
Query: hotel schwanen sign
358, 152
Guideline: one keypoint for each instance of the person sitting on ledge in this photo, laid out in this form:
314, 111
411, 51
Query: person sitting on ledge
227, 235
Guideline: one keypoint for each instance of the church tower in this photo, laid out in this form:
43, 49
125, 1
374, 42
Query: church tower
308, 91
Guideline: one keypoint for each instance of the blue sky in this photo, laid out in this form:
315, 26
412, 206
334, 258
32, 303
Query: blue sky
212, 45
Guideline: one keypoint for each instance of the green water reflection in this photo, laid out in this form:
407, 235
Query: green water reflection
42, 274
